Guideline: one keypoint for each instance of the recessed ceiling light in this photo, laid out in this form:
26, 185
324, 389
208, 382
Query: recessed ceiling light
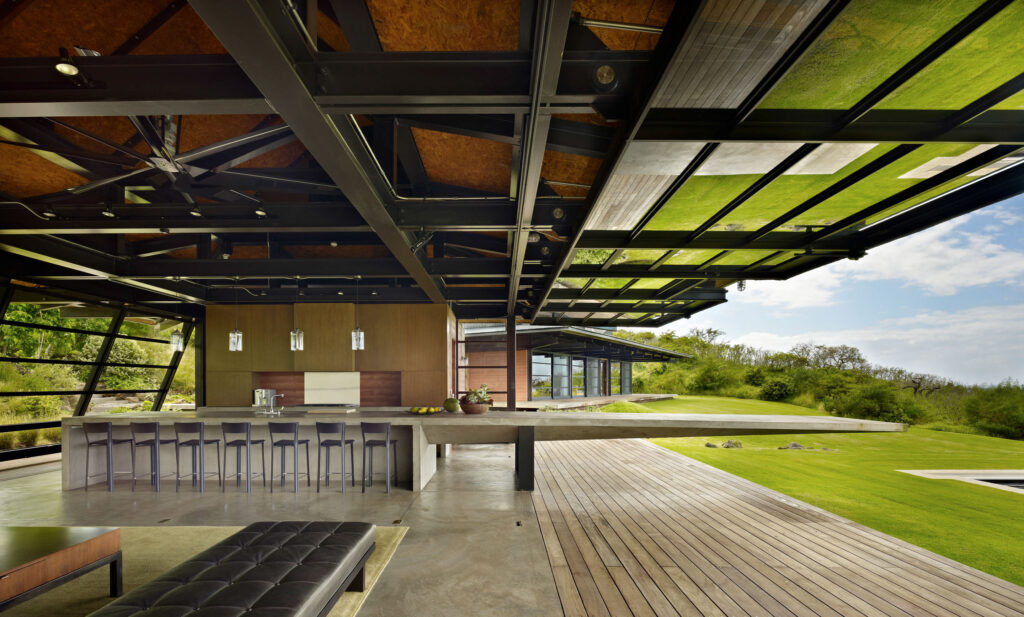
341, 293
196, 212
373, 293
66, 68
49, 213
108, 212
334, 243
260, 211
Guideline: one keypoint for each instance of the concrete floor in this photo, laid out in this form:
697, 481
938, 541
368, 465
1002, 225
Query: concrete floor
473, 548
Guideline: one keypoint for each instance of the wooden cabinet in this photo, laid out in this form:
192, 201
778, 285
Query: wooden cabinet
328, 333
424, 387
229, 388
268, 338
220, 320
385, 347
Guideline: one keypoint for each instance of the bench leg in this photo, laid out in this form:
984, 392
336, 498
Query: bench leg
359, 582
116, 580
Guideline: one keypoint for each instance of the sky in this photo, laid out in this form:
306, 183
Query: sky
948, 301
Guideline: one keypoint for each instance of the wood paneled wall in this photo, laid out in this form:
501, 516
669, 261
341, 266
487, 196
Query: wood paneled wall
412, 339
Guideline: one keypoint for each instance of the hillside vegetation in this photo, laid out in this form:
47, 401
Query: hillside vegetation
829, 379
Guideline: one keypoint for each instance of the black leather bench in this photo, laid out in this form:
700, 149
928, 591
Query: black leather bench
284, 569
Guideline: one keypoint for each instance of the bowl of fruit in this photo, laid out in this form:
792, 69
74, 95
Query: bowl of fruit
424, 411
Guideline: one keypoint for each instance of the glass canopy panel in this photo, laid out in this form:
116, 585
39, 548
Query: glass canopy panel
698, 199
790, 190
30, 307
148, 326
638, 257
980, 63
574, 283
691, 257
867, 43
1014, 102
591, 257
609, 283
651, 283
743, 257
904, 173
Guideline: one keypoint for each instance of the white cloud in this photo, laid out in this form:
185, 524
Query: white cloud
979, 344
941, 260
1004, 215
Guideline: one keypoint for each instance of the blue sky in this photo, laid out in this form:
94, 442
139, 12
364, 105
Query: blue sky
948, 300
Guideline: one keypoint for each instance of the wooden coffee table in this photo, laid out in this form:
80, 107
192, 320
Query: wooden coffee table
36, 559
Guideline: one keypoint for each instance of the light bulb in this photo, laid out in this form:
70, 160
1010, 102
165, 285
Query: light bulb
177, 341
358, 340
235, 340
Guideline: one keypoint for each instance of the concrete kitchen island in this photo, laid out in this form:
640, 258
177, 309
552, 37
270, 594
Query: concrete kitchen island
417, 434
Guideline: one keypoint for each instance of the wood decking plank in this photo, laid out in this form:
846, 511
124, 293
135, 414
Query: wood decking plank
632, 529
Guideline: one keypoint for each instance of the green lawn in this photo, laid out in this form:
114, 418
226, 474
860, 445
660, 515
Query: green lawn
858, 479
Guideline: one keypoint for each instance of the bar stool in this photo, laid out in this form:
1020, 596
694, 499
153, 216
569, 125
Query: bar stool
140, 430
329, 429
291, 429
182, 430
244, 428
374, 428
101, 435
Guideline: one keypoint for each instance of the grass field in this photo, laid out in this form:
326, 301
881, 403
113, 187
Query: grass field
859, 479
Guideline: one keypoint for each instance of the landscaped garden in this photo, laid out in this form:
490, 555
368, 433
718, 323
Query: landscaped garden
857, 476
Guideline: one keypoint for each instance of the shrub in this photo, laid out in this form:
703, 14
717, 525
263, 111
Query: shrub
712, 376
7, 441
876, 401
776, 389
998, 411
754, 376
27, 439
51, 435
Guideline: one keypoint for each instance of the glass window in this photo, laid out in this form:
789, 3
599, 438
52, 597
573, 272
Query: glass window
540, 371
579, 377
560, 377
616, 378
593, 377
627, 378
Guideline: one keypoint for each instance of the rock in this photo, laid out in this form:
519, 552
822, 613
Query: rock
793, 446
732, 444
708, 444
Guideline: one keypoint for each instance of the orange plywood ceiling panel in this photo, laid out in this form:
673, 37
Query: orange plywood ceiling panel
646, 12
24, 174
563, 167
328, 31
203, 130
446, 25
184, 33
114, 128
42, 28
278, 157
337, 252
468, 162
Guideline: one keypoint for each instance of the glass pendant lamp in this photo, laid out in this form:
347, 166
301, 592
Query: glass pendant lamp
235, 336
297, 338
358, 340
177, 341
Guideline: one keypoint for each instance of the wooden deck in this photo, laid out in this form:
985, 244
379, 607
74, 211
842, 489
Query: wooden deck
632, 529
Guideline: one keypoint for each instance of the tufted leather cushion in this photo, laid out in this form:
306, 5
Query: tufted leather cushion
268, 569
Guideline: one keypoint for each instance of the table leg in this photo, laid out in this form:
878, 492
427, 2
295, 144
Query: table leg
116, 580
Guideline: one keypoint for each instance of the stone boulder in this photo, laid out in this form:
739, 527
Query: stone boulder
793, 446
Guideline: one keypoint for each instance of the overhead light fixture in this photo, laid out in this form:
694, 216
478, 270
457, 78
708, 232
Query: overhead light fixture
297, 340
260, 211
177, 341
373, 293
334, 243
341, 293
109, 213
65, 66
196, 212
358, 338
49, 213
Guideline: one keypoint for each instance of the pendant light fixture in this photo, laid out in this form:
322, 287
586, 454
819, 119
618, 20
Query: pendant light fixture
297, 337
235, 336
358, 340
177, 341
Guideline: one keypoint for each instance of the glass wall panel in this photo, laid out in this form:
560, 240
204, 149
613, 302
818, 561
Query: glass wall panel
540, 371
627, 378
616, 378
579, 378
560, 377
593, 377
22, 409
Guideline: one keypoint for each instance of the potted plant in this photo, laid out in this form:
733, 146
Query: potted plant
476, 401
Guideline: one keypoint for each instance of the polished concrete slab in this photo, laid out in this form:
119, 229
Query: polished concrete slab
473, 548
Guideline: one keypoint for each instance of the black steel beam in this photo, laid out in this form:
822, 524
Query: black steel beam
615, 307
102, 357
819, 125
197, 269
353, 82
676, 272
549, 33
165, 385
653, 295
150, 27
356, 22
